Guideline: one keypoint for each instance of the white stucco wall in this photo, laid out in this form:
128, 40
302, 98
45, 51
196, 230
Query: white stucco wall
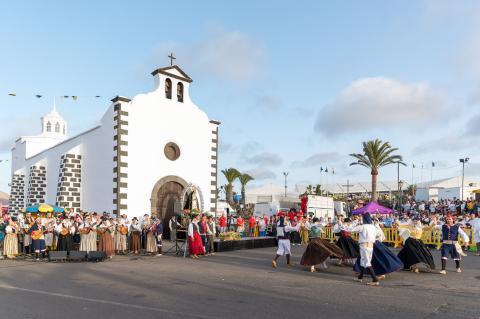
96, 148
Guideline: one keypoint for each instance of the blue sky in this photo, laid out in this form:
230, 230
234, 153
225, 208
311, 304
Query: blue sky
296, 85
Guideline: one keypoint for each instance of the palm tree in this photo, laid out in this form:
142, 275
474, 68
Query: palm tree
244, 179
231, 174
309, 190
376, 154
318, 190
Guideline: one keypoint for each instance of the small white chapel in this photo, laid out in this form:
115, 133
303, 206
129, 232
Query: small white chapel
155, 153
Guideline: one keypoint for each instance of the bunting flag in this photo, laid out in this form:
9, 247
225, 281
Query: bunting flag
321, 169
433, 164
333, 171
73, 97
326, 170
413, 165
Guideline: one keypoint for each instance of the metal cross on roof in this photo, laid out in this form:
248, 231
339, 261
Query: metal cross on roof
172, 57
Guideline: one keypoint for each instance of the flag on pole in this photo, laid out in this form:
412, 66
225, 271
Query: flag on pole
413, 165
38, 96
433, 164
326, 170
74, 97
12, 94
321, 169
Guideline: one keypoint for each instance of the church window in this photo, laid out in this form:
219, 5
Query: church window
180, 92
49, 127
57, 128
172, 151
168, 88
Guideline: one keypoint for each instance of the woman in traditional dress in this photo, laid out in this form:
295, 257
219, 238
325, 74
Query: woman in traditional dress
150, 228
384, 261
49, 224
135, 236
88, 235
414, 251
65, 231
36, 232
349, 246
195, 245
318, 250
106, 229
10, 248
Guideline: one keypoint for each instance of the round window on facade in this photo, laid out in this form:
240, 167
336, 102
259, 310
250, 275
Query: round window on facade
172, 151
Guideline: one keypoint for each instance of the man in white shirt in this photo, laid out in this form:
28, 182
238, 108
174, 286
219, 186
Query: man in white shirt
283, 236
475, 223
367, 236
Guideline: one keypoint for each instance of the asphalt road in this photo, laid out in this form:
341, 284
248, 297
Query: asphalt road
238, 284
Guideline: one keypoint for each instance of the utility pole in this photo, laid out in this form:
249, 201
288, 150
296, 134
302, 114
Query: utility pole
285, 174
463, 161
398, 183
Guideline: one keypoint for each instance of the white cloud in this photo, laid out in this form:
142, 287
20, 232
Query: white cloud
265, 158
222, 55
261, 173
318, 159
379, 102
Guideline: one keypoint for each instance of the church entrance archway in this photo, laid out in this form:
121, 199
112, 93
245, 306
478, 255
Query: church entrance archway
166, 199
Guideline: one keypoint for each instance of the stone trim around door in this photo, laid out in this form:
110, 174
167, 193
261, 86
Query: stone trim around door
214, 166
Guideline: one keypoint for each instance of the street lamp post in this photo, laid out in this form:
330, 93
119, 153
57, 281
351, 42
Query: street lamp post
400, 185
463, 161
285, 174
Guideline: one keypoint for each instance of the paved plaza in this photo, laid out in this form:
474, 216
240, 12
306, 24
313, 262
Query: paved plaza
238, 284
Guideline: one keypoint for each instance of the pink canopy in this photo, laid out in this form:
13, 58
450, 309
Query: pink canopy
372, 208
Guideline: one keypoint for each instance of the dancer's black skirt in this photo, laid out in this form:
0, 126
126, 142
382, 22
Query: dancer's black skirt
349, 247
415, 252
318, 250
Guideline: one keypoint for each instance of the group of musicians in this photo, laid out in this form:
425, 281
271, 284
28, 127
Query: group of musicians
36, 234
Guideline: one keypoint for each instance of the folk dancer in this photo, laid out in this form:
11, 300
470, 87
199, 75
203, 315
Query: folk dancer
195, 246
88, 234
475, 224
28, 222
210, 236
262, 227
135, 236
120, 237
318, 249
36, 232
49, 224
151, 241
11, 239
283, 237
65, 231
374, 255
349, 246
450, 245
144, 224
106, 229
159, 235
202, 228
304, 230
414, 251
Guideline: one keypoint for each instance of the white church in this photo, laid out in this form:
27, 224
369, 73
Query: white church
155, 153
